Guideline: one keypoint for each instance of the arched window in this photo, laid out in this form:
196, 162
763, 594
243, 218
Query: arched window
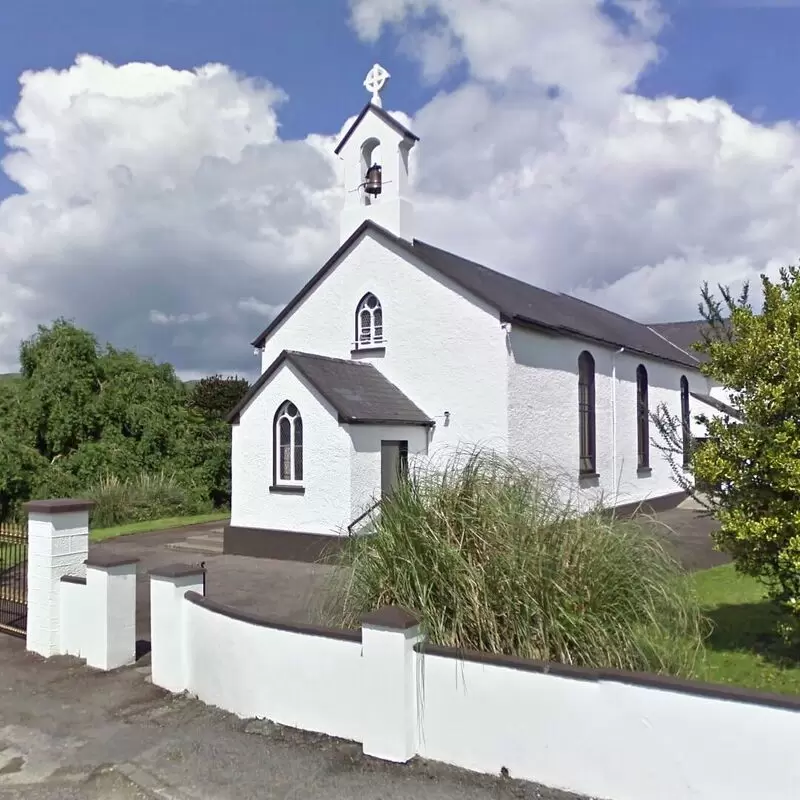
642, 417
369, 322
686, 422
288, 445
588, 460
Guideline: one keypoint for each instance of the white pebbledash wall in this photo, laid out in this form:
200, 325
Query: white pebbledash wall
544, 422
256, 503
365, 459
445, 351
437, 342
514, 391
604, 734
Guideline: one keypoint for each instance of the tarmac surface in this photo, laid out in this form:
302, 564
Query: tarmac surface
293, 592
284, 590
68, 732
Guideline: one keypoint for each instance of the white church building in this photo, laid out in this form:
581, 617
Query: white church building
396, 349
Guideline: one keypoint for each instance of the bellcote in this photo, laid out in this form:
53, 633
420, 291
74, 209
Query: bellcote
375, 153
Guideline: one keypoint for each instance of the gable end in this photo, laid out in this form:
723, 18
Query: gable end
315, 279
387, 118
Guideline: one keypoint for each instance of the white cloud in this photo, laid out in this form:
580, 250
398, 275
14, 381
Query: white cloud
152, 198
546, 163
160, 318
265, 309
161, 208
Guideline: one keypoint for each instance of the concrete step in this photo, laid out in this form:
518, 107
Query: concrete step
207, 543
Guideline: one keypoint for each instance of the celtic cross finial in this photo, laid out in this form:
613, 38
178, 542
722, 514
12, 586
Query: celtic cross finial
375, 81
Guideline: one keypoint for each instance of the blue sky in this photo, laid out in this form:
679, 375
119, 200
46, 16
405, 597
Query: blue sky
744, 52
304, 46
209, 224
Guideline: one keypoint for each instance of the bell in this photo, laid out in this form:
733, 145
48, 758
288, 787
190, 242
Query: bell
372, 181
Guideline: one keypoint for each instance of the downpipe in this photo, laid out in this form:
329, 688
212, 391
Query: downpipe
614, 474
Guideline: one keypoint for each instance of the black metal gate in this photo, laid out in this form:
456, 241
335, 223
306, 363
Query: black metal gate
13, 579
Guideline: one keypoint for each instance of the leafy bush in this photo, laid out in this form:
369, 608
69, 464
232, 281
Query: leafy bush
495, 560
146, 497
748, 467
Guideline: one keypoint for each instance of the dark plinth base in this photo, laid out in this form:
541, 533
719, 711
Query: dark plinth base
281, 545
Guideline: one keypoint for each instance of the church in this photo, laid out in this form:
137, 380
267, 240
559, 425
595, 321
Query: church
396, 350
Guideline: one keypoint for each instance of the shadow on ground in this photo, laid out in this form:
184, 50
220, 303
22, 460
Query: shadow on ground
751, 627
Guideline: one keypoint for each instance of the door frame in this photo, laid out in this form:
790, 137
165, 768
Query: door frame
402, 445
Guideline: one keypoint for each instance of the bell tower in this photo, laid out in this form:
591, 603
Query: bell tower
375, 151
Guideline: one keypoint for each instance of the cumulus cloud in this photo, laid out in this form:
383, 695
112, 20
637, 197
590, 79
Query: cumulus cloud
159, 208
162, 209
547, 164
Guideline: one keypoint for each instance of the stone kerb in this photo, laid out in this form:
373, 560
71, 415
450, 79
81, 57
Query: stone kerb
58, 545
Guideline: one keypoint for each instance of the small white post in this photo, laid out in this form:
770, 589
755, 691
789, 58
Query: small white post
388, 637
58, 543
110, 611
168, 586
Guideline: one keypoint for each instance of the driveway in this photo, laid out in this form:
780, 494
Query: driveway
294, 592
688, 535
69, 733
284, 590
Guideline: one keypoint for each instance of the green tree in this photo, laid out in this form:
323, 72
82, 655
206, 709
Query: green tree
749, 465
81, 416
209, 452
215, 396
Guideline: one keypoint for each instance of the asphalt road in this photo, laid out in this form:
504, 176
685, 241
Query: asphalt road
69, 732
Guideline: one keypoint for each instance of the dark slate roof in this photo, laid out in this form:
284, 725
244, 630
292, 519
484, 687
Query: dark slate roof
387, 118
515, 300
358, 392
683, 335
717, 404
529, 305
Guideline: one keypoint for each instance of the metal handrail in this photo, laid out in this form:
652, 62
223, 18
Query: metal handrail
362, 516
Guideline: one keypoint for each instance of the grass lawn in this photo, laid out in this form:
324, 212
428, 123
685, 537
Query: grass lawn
744, 648
99, 534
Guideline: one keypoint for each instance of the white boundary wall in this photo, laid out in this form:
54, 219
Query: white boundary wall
602, 733
91, 617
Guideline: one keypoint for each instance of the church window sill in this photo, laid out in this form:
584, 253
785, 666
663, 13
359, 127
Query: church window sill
279, 489
644, 472
370, 350
588, 476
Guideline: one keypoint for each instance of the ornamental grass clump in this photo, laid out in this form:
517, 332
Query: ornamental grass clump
495, 559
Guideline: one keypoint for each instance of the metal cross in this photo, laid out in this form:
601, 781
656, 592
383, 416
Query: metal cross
375, 81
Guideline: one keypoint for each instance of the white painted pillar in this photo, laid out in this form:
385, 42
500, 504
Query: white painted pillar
58, 543
73, 617
168, 586
110, 611
389, 712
